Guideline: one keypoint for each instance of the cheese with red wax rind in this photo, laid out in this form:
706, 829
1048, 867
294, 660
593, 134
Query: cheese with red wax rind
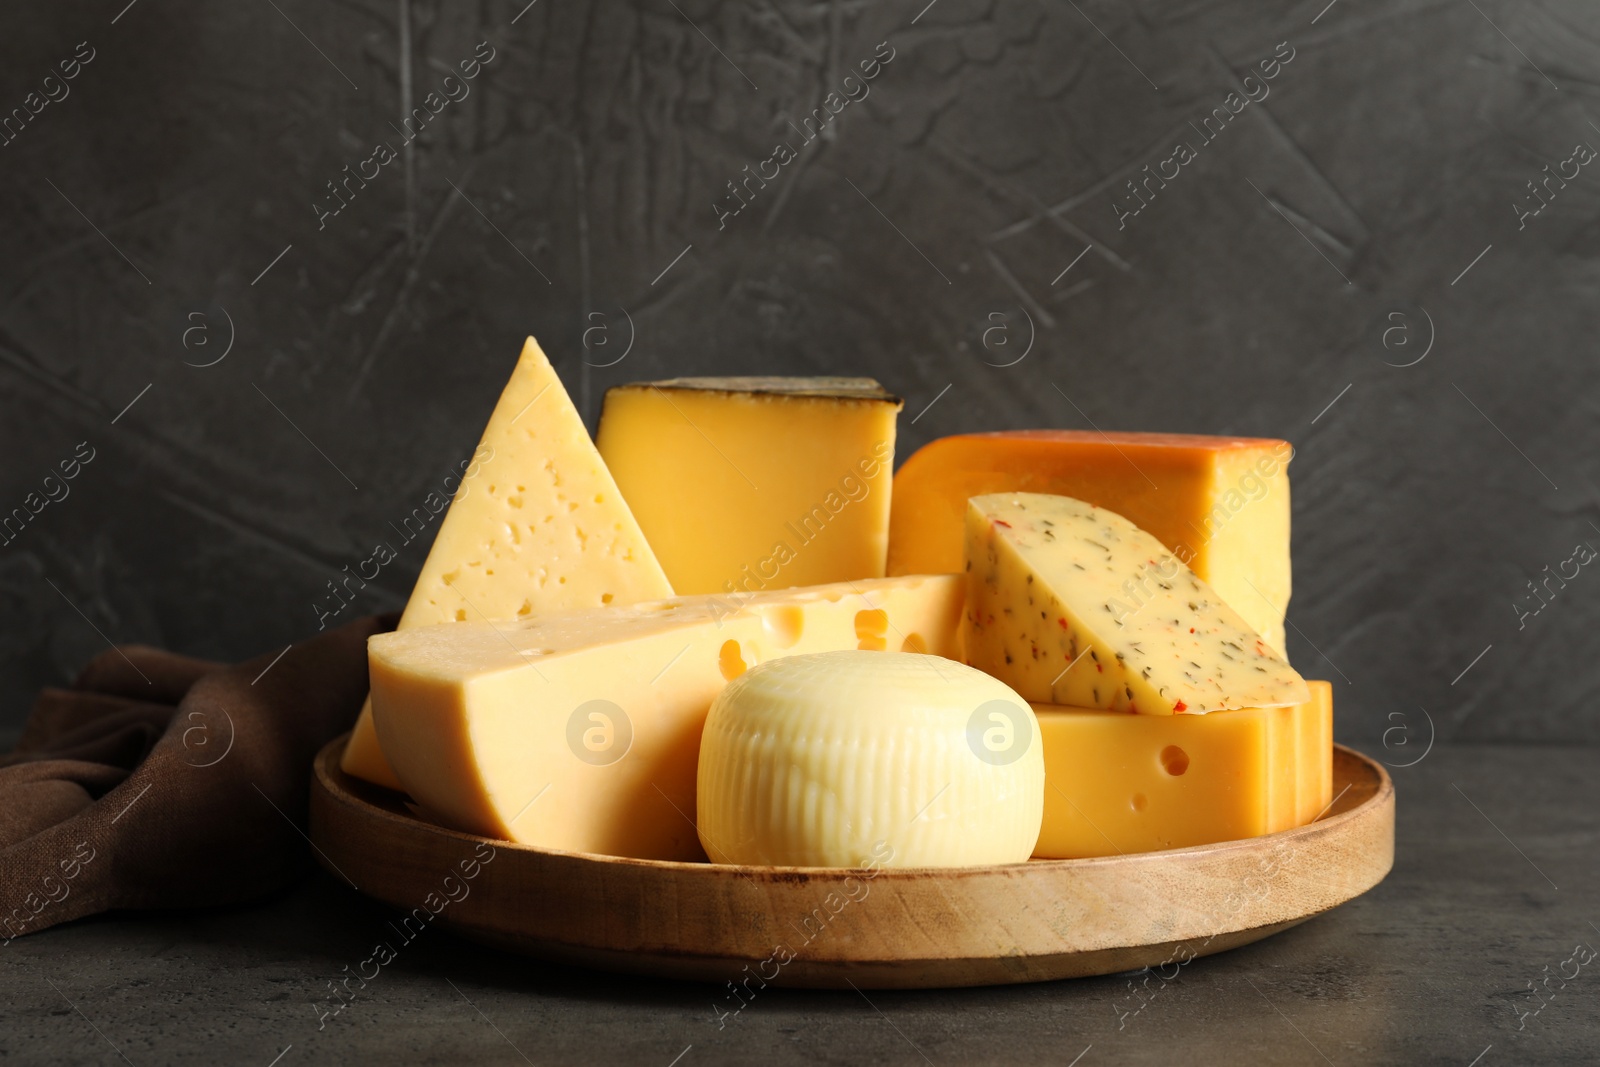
1221, 504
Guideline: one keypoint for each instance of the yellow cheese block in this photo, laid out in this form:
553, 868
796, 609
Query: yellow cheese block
834, 759
581, 731
539, 528
746, 484
1118, 783
1072, 604
1220, 504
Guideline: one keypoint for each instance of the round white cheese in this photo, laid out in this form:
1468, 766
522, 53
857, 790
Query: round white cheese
869, 759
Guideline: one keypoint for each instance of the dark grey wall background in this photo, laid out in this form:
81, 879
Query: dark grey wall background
1254, 291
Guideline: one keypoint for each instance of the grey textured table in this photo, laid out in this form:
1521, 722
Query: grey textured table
264, 393
1495, 881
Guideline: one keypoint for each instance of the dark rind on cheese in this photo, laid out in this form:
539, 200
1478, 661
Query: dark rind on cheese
822, 388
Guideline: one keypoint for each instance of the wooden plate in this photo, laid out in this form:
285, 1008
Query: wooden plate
800, 926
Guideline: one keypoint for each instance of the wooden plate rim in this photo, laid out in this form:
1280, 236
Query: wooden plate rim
331, 778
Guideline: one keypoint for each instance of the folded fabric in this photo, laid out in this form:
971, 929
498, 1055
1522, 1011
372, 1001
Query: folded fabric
161, 781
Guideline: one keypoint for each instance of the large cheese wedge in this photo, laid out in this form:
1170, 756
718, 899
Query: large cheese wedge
581, 731
1118, 783
1221, 504
539, 527
745, 484
833, 759
1072, 604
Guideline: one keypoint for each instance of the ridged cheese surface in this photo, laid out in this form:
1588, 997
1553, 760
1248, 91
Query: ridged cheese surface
831, 759
1073, 604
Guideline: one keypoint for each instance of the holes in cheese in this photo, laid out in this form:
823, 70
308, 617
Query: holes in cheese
1113, 783
785, 624
872, 628
730, 661
825, 760
1072, 604
534, 455
1174, 760
482, 720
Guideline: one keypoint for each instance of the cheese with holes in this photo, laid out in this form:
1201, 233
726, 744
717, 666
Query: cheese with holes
828, 759
581, 731
1221, 504
537, 526
1118, 783
747, 484
1072, 604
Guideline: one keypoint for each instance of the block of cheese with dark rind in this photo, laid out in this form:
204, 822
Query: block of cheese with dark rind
1221, 504
581, 731
755, 483
1072, 604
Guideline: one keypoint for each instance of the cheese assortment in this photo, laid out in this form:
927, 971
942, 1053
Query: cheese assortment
825, 760
678, 642
1119, 783
539, 527
1220, 504
1072, 604
744, 484
581, 731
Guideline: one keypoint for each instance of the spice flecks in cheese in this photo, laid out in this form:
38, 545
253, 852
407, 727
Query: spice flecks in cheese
1072, 604
1220, 504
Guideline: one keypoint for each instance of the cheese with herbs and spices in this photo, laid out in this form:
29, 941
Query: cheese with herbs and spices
1221, 504
1071, 604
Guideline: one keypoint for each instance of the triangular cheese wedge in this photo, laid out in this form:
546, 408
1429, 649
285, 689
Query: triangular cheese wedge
1071, 604
537, 526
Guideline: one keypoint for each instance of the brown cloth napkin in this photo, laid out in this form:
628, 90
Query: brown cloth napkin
161, 781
